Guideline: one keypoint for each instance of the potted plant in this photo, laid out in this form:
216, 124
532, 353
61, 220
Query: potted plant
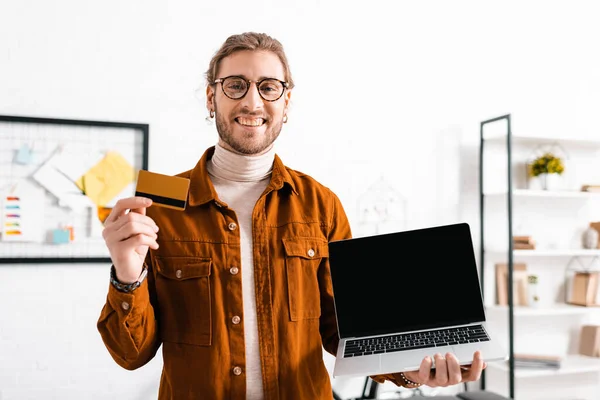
534, 299
547, 168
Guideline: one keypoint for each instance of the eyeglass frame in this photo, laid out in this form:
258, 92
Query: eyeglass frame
283, 83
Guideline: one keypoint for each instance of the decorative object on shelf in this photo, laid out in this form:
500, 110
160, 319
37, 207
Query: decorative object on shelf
537, 360
590, 188
523, 243
532, 290
591, 236
589, 340
596, 226
547, 168
584, 289
519, 284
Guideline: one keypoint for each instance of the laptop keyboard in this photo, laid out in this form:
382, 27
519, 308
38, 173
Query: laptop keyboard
417, 340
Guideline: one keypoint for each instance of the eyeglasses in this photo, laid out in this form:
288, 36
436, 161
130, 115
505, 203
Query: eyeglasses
236, 87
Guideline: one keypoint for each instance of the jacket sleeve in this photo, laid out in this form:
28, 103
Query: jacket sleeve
127, 324
339, 229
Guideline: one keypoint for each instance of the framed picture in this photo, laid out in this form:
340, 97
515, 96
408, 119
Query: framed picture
59, 179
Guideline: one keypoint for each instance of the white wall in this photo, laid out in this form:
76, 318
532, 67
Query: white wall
391, 90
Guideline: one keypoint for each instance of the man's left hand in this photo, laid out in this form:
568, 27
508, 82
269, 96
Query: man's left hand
447, 371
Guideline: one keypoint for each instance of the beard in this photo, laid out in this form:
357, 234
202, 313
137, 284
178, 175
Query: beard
246, 143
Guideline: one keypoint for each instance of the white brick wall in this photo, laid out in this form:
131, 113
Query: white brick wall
49, 345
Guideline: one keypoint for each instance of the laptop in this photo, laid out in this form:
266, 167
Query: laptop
402, 296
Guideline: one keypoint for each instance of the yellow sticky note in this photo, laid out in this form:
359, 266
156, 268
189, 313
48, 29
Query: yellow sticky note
107, 178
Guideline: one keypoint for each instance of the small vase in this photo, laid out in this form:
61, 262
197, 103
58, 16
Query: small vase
550, 181
532, 291
590, 238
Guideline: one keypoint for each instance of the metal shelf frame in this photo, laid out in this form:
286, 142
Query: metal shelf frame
509, 194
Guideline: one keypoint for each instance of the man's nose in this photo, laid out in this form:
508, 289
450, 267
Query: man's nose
252, 99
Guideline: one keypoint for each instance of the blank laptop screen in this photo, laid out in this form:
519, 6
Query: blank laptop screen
411, 280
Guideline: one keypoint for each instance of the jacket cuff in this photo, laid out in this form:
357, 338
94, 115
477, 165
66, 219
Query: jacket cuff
126, 304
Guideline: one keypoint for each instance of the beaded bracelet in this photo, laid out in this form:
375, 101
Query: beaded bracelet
124, 287
408, 381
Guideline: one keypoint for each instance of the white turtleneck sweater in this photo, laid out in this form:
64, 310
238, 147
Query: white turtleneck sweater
239, 181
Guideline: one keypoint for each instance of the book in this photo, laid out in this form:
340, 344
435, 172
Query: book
596, 226
523, 246
531, 364
523, 239
584, 288
590, 188
519, 284
589, 340
537, 360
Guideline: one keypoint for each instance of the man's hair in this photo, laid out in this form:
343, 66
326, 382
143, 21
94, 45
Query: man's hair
249, 41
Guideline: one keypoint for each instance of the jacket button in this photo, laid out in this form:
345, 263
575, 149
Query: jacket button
232, 226
178, 273
237, 371
234, 270
235, 320
311, 252
125, 305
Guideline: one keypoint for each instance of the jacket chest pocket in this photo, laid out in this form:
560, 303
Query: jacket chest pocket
184, 299
302, 259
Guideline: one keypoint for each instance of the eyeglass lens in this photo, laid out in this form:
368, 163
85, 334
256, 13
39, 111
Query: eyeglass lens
236, 88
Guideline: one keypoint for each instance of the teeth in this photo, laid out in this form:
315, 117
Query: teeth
251, 121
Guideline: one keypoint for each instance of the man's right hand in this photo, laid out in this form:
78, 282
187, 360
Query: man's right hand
128, 234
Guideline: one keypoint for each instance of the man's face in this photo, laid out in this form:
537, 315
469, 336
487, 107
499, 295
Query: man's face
248, 125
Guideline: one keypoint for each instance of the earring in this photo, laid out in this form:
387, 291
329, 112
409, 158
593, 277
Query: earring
285, 119
210, 117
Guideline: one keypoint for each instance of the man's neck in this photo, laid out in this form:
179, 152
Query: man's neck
241, 168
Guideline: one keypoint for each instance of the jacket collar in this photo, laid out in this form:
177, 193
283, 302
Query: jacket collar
202, 190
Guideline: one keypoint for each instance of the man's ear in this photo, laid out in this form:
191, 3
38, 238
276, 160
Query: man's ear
286, 98
210, 98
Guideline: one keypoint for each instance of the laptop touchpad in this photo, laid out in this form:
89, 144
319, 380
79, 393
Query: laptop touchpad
349, 365
409, 360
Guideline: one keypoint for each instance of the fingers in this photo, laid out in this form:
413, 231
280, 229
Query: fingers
454, 370
134, 228
422, 375
446, 370
133, 218
439, 376
474, 372
123, 206
128, 225
137, 242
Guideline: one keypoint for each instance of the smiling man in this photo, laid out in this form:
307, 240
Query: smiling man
236, 288
248, 122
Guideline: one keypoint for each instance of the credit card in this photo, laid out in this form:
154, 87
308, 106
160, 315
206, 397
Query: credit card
164, 190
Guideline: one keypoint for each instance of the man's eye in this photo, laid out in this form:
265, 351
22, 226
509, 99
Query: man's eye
235, 86
268, 89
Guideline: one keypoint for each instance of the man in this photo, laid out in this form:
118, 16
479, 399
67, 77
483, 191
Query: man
236, 288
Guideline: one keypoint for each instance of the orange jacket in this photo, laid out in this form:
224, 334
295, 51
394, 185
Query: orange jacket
194, 290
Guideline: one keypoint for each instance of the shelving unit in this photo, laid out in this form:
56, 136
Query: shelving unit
549, 253
511, 192
572, 364
554, 309
567, 194
524, 139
